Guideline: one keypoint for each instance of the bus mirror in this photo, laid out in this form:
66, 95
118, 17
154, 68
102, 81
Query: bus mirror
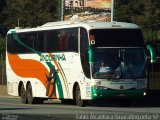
90, 52
151, 53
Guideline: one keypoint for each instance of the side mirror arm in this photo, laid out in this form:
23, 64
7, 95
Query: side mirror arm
151, 52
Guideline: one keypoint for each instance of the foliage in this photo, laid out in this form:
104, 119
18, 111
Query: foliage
25, 13
145, 13
2, 5
29, 13
2, 46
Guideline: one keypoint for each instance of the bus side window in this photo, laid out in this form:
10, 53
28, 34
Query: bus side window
17, 47
66, 41
73, 40
63, 40
39, 44
30, 41
27, 41
9, 44
51, 41
55, 40
60, 42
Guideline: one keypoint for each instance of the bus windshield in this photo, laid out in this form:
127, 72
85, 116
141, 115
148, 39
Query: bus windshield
119, 63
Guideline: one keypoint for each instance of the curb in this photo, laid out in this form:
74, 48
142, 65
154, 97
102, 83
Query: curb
4, 93
8, 96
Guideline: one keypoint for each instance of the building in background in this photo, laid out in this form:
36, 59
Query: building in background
89, 3
88, 9
76, 3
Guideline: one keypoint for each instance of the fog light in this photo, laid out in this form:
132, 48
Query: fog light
144, 93
95, 94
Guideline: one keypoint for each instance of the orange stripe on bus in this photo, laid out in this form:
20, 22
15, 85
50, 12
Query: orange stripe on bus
28, 68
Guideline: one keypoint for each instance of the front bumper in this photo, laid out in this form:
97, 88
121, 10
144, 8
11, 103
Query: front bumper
117, 94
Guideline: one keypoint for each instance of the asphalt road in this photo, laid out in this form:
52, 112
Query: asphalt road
13, 109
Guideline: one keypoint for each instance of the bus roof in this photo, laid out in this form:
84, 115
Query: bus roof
87, 24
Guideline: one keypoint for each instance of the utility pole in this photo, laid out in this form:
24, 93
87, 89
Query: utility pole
112, 11
62, 9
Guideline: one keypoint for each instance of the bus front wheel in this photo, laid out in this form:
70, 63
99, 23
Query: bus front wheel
79, 101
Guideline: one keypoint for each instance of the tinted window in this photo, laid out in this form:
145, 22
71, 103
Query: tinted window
28, 40
51, 41
68, 39
39, 43
44, 41
84, 52
17, 47
117, 37
9, 44
73, 39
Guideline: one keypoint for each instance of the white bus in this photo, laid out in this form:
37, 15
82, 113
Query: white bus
76, 61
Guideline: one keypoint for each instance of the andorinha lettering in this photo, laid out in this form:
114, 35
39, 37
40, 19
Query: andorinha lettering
56, 57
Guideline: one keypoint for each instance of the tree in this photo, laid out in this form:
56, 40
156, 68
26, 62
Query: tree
2, 28
30, 13
145, 13
2, 5
2, 46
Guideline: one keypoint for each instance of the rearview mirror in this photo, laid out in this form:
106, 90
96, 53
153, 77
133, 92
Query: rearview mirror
151, 53
91, 54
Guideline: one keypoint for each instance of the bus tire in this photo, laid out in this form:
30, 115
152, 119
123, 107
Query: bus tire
79, 101
30, 98
23, 95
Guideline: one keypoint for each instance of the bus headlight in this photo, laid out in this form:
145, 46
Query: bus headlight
99, 87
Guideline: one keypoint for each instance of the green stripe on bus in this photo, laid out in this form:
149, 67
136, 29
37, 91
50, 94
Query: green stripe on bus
64, 76
58, 82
